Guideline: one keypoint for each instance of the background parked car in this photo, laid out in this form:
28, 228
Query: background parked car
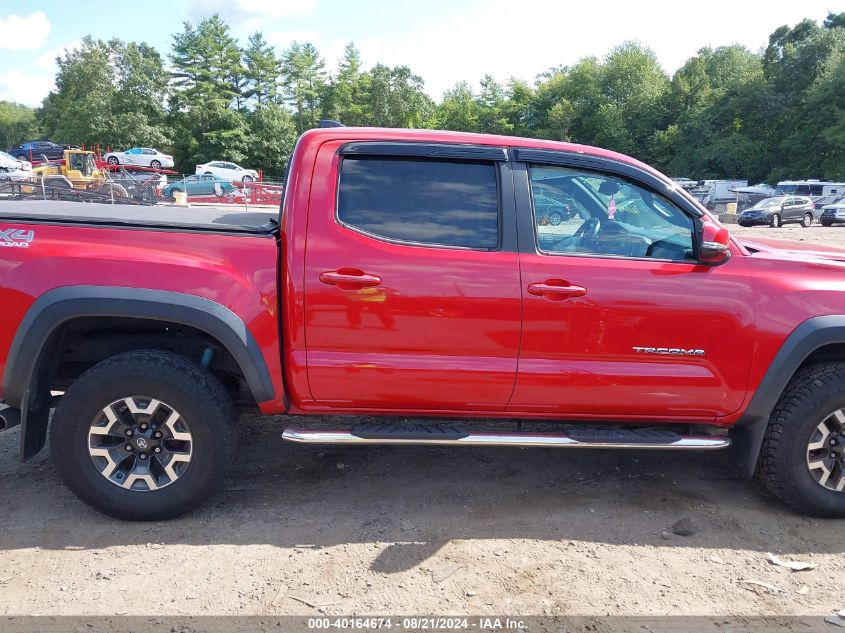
833, 213
779, 211
820, 203
142, 156
34, 150
13, 169
201, 185
229, 171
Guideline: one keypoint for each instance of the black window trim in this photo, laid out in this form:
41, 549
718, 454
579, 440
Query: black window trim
617, 169
501, 190
425, 150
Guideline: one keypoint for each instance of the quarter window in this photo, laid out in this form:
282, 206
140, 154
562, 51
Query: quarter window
436, 202
582, 212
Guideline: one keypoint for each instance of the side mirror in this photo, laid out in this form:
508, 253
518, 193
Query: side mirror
715, 245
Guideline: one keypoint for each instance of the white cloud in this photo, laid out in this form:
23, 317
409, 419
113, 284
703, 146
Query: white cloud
246, 16
283, 39
18, 33
24, 88
47, 60
272, 9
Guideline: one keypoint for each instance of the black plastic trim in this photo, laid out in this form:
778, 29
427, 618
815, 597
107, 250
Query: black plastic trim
60, 305
424, 150
748, 433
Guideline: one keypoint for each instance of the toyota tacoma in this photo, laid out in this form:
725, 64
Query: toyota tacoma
413, 277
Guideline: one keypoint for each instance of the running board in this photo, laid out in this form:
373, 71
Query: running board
443, 435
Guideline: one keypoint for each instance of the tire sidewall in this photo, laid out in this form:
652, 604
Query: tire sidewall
69, 445
804, 420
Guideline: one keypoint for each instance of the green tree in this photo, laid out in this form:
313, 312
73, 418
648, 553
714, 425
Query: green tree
303, 81
347, 95
17, 124
273, 136
108, 93
261, 71
208, 79
397, 99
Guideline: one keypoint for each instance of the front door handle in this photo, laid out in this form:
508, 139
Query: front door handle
556, 289
349, 279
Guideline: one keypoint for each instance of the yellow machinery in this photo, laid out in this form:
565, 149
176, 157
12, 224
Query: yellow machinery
78, 170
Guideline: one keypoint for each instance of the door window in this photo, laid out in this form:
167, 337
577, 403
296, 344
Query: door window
422, 201
579, 212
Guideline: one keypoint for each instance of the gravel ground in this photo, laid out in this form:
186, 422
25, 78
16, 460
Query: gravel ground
308, 530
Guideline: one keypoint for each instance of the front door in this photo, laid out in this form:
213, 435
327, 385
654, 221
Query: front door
620, 321
412, 290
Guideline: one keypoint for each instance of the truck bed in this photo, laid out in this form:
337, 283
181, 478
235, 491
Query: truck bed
204, 219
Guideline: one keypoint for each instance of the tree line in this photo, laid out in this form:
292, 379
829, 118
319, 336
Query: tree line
727, 112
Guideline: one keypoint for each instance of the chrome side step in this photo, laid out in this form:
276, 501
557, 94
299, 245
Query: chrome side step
625, 440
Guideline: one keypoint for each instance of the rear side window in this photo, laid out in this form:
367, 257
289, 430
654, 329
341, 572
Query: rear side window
434, 202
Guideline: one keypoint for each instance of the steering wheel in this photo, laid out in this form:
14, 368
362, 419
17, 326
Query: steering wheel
588, 231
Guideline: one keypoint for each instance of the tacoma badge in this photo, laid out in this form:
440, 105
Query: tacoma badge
669, 351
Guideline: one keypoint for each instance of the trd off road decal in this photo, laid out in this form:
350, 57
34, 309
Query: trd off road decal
16, 238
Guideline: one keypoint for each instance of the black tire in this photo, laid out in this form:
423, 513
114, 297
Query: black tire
811, 395
185, 386
155, 164
745, 224
776, 221
826, 223
113, 160
23, 157
555, 219
248, 179
807, 220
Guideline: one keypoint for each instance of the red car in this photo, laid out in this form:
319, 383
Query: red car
409, 275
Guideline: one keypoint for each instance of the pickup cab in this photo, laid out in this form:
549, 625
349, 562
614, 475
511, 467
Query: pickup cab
416, 276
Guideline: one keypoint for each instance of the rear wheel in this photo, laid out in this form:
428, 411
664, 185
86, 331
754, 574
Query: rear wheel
112, 160
144, 435
775, 222
113, 189
155, 164
807, 220
826, 223
22, 157
555, 219
248, 179
803, 455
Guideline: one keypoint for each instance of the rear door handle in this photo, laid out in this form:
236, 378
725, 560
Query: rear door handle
349, 279
556, 289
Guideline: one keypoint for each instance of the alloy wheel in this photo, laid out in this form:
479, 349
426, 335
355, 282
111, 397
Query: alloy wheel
826, 452
140, 443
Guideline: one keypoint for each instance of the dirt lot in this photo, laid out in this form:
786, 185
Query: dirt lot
307, 530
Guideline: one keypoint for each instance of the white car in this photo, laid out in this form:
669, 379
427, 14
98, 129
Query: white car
229, 171
13, 169
141, 156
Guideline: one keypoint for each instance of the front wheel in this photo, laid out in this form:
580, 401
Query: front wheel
112, 160
807, 220
776, 221
826, 223
248, 179
144, 435
803, 455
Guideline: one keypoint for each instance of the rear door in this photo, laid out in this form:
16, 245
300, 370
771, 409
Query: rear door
412, 297
619, 319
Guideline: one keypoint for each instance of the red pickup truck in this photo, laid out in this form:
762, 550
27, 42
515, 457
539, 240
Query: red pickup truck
574, 296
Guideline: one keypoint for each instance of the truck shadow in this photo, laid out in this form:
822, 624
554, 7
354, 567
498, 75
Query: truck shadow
416, 499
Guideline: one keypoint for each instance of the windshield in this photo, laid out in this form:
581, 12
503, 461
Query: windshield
768, 202
8, 156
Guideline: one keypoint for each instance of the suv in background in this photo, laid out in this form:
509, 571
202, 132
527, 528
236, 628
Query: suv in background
34, 150
833, 213
778, 211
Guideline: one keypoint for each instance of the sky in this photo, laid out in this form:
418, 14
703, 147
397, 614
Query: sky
443, 41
